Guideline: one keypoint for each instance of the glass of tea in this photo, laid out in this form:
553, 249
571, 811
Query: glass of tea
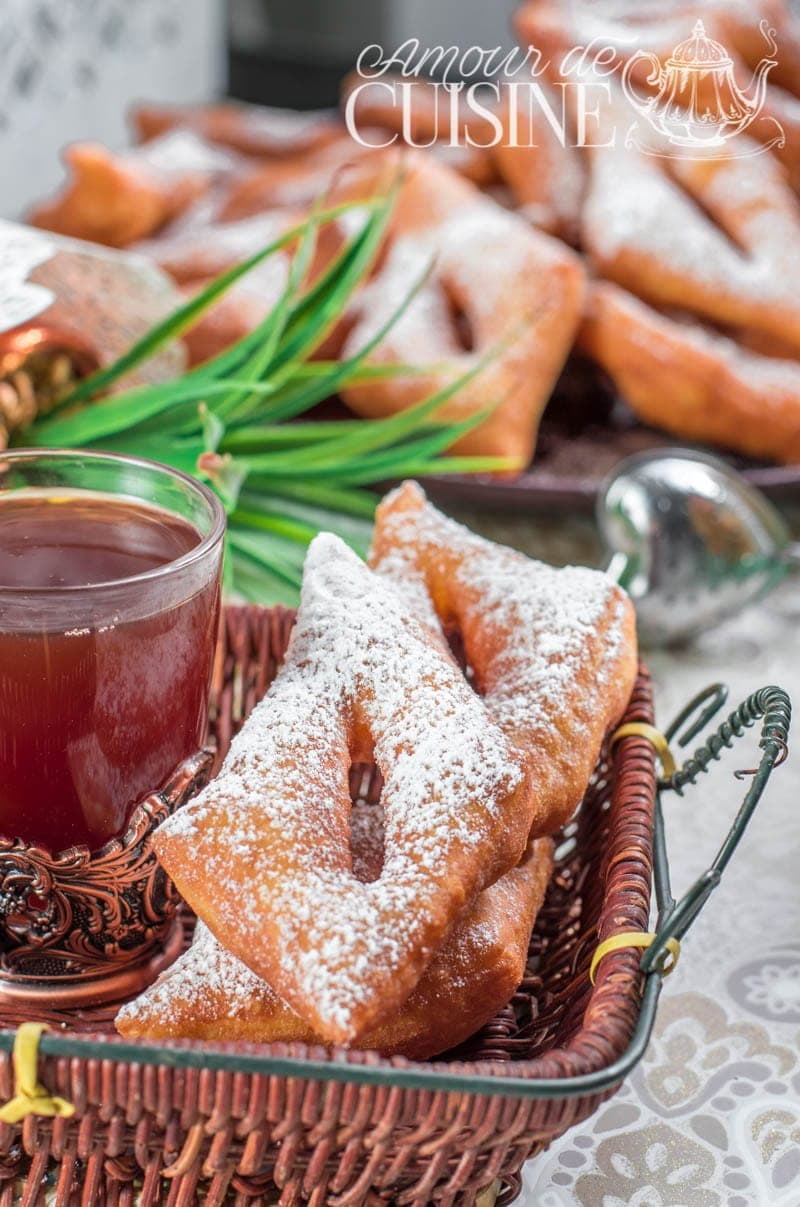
110, 574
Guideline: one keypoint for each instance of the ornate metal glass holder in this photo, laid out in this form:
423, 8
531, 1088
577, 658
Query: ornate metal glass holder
82, 927
91, 924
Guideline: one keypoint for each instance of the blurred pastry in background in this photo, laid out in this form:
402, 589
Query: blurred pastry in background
298, 180
543, 180
118, 199
485, 290
193, 260
716, 235
705, 250
736, 38
255, 130
692, 381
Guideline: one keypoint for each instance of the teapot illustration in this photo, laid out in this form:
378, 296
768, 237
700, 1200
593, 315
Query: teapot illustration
698, 101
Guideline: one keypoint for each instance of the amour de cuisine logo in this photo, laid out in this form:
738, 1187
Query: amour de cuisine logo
691, 104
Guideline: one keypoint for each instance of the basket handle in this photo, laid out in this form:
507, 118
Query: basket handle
771, 706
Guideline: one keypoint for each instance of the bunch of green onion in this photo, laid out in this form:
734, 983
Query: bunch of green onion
226, 421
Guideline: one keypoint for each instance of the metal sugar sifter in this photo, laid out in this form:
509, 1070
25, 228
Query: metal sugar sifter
690, 541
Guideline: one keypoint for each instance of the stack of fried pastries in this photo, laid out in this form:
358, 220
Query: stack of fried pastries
691, 313
402, 925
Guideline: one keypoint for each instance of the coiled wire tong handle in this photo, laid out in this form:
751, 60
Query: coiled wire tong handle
772, 707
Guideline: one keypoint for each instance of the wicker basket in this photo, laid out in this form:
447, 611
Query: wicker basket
186, 1122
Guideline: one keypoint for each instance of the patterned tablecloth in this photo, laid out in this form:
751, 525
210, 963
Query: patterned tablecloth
711, 1118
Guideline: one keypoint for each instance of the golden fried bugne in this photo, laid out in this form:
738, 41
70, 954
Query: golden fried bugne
404, 925
263, 856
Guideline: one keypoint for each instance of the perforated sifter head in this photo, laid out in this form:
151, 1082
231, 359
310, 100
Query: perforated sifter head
690, 541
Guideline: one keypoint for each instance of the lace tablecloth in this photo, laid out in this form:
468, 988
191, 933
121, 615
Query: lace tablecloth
712, 1116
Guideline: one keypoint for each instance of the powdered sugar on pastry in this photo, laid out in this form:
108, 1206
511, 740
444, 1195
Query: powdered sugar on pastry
553, 650
718, 235
210, 994
263, 854
495, 286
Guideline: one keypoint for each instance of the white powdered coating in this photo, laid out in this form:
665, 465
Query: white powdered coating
459, 249
207, 974
193, 253
204, 973
179, 151
277, 810
208, 983
226, 240
551, 617
350, 223
285, 128
633, 205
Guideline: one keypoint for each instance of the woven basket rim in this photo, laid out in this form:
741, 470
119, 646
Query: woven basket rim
581, 1067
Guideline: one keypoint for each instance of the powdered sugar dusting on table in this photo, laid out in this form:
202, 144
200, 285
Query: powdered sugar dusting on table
447, 772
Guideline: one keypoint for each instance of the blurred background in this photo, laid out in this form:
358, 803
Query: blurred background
294, 52
70, 68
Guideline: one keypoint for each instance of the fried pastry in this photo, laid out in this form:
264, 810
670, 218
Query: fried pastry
473, 163
784, 108
747, 28
235, 315
547, 177
744, 28
495, 285
692, 381
294, 182
254, 130
263, 854
120, 199
192, 253
209, 994
553, 651
717, 236
193, 257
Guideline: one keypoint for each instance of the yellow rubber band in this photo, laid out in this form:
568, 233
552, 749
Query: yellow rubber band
30, 1098
640, 729
488, 1196
634, 938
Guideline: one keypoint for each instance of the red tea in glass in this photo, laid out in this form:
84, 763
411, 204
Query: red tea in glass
109, 604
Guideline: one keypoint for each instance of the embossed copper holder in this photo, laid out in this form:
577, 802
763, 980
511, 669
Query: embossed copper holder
80, 926
83, 927
17, 346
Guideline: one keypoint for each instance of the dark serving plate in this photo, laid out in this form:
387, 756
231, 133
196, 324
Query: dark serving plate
585, 432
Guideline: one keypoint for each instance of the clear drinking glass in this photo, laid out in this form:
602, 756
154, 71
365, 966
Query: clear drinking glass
110, 574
